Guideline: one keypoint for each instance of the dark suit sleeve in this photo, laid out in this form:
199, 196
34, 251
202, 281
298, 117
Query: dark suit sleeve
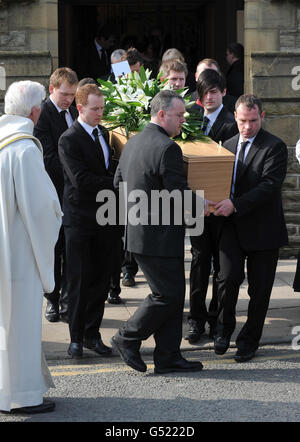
72, 157
171, 169
269, 185
117, 178
172, 172
43, 132
228, 131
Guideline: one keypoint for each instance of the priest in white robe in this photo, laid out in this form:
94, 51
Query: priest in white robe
30, 219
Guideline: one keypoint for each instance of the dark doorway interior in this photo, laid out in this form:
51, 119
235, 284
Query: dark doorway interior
199, 29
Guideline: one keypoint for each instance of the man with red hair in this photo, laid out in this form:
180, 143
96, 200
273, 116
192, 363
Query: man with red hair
86, 157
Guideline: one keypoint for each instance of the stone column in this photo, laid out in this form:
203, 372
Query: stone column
272, 72
26, 65
28, 42
30, 26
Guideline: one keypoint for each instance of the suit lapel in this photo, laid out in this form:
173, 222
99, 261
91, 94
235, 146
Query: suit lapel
232, 145
217, 124
106, 138
56, 117
73, 112
251, 154
92, 149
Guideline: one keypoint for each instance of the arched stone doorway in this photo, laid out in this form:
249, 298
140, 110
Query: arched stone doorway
199, 28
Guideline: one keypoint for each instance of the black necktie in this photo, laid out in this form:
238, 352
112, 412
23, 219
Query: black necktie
240, 163
205, 124
98, 143
63, 117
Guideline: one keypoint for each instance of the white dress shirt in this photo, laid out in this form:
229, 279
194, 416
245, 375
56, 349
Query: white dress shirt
212, 118
250, 140
89, 129
68, 116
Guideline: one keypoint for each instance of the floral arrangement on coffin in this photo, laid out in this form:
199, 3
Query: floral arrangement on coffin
128, 104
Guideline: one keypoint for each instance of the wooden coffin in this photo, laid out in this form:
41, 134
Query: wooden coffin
208, 165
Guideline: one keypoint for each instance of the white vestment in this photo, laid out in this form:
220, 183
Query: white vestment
30, 219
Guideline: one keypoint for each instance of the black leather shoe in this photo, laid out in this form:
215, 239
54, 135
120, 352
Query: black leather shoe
194, 332
221, 344
97, 346
114, 298
75, 349
52, 311
128, 280
181, 366
130, 355
244, 355
45, 407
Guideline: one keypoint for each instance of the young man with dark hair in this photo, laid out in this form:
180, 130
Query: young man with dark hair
219, 125
210, 63
211, 88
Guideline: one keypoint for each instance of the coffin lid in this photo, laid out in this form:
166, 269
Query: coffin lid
207, 151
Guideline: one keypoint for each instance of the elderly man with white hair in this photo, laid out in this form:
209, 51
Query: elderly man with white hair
30, 220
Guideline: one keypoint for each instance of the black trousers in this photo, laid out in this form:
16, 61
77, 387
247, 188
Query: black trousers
123, 261
296, 283
117, 259
161, 312
88, 255
205, 248
59, 296
261, 269
129, 264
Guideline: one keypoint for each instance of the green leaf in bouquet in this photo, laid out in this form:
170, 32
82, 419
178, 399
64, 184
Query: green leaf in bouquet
143, 75
135, 103
128, 103
120, 103
106, 83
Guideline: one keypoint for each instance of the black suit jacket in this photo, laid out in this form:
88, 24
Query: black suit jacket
235, 79
48, 129
259, 217
85, 175
94, 66
224, 127
150, 161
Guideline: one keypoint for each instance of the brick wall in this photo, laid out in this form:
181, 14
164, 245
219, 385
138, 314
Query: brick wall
272, 54
274, 81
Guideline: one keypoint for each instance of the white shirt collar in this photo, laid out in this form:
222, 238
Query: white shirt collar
57, 107
214, 115
87, 127
247, 139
